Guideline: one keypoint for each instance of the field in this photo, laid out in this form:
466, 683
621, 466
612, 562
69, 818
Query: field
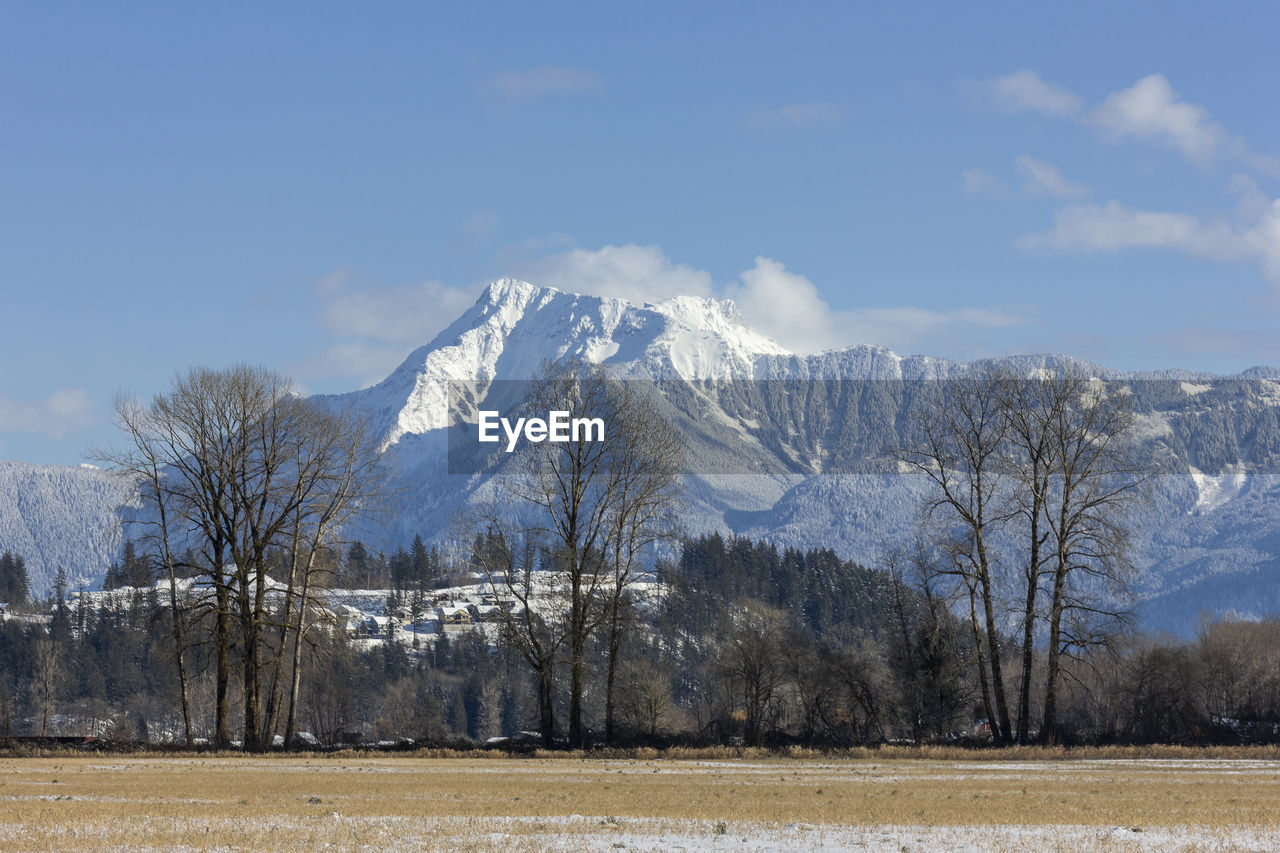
552, 803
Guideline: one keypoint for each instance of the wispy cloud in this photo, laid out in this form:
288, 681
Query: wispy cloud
981, 183
1025, 91
377, 325
816, 114
1149, 111
533, 83
1207, 339
1112, 227
1044, 179
58, 415
477, 230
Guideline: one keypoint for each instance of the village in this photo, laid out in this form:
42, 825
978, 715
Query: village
463, 602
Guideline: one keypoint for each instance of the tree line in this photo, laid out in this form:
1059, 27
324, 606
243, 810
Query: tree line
1009, 610
745, 643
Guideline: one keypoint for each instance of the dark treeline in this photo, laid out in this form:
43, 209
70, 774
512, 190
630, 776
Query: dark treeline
13, 579
417, 567
741, 642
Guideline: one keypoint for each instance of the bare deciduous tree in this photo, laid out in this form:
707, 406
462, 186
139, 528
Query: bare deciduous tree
1094, 478
598, 506
962, 434
237, 466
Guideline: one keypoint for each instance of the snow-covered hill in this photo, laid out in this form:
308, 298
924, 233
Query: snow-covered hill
59, 517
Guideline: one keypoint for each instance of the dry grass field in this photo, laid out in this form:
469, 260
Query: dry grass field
78, 802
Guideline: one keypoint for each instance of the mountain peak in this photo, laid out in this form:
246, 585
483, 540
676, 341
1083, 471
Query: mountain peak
505, 289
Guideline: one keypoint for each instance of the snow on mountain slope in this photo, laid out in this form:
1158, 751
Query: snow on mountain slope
1213, 492
59, 517
515, 326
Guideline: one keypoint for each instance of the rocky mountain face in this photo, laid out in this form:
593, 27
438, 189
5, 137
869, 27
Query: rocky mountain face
798, 448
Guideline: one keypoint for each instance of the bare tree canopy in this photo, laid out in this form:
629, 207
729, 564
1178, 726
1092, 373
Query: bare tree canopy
1045, 463
597, 506
237, 467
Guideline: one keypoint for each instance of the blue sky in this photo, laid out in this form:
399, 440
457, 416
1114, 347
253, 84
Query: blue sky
322, 187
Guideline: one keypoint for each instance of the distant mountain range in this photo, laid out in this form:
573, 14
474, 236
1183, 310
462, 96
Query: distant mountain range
792, 448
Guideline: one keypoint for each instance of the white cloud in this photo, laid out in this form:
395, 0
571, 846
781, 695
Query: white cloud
1112, 227
1151, 110
980, 183
380, 324
1253, 202
636, 273
785, 305
1045, 179
533, 83
789, 308
1025, 91
410, 313
480, 224
795, 115
61, 413
1204, 339
368, 362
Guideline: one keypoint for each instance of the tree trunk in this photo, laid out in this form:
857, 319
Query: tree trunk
981, 659
222, 678
615, 640
577, 653
546, 706
295, 681
993, 644
179, 638
1028, 629
1048, 730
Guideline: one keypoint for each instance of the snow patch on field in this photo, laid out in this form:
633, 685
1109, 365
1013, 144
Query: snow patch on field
588, 833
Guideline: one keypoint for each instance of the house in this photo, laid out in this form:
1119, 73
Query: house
488, 613
346, 611
454, 618
381, 626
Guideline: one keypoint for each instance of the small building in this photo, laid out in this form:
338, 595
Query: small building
454, 618
488, 613
381, 626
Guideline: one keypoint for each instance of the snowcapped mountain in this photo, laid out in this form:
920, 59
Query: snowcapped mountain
515, 326
796, 448
792, 447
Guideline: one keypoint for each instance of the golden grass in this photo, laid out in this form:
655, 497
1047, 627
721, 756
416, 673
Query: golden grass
291, 802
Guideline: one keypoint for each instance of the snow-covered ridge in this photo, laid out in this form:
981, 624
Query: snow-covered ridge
514, 326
